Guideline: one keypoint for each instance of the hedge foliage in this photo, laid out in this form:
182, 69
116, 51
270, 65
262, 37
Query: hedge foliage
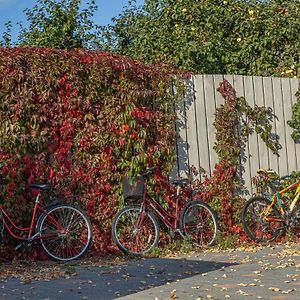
80, 119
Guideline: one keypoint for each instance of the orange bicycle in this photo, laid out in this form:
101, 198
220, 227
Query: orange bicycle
64, 231
265, 218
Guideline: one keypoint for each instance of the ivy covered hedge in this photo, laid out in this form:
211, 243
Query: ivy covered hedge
80, 119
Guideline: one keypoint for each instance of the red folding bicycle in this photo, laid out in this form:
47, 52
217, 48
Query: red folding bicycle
64, 231
135, 228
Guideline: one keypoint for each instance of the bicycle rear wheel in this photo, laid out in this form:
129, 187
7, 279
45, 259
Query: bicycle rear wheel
259, 224
198, 222
66, 233
135, 232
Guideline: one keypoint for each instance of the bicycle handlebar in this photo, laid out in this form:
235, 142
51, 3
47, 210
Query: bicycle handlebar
148, 171
272, 172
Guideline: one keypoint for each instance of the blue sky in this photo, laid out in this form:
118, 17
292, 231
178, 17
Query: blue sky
12, 10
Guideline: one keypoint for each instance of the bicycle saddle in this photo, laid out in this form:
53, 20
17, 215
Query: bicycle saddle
272, 172
266, 171
180, 181
40, 186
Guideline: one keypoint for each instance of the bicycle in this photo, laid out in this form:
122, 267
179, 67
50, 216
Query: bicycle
136, 228
265, 218
64, 231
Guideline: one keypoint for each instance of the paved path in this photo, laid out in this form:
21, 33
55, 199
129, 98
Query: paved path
268, 273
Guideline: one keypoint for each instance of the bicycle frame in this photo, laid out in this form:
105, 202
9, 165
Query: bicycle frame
276, 199
37, 210
170, 220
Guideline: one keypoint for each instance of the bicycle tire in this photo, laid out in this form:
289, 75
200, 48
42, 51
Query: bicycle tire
199, 223
70, 233
256, 228
130, 238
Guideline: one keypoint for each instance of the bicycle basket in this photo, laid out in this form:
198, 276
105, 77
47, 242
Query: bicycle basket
133, 188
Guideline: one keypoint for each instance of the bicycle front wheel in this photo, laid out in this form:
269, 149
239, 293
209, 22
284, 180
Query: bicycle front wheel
135, 232
261, 222
66, 233
198, 222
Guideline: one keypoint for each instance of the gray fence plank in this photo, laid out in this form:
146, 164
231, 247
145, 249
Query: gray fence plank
203, 120
263, 157
218, 97
181, 142
252, 142
269, 102
192, 125
287, 105
294, 88
210, 105
244, 172
279, 111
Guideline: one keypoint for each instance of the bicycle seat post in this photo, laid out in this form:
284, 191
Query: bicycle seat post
37, 198
178, 190
35, 208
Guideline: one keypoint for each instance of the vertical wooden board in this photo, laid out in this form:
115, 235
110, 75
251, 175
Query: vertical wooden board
298, 156
263, 155
174, 172
294, 88
229, 78
182, 150
219, 100
210, 103
287, 111
280, 125
201, 116
252, 142
269, 102
182, 146
238, 82
192, 125
218, 97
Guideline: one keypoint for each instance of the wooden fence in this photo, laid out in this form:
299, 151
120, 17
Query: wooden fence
197, 133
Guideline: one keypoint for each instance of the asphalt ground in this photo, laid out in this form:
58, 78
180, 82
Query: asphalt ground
271, 272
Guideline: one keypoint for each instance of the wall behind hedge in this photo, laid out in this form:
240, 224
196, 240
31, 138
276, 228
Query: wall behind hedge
80, 119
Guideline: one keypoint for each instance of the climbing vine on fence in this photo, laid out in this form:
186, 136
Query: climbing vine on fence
295, 121
234, 121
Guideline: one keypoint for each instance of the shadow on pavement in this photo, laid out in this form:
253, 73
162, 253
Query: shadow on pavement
110, 282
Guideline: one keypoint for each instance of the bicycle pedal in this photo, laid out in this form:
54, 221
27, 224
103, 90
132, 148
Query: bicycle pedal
172, 234
36, 243
19, 246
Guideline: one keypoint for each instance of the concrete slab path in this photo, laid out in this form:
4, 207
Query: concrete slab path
252, 273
